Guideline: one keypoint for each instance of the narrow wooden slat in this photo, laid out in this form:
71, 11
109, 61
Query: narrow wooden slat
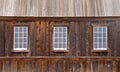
115, 66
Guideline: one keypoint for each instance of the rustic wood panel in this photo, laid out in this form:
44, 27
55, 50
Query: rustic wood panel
58, 8
41, 33
58, 65
2, 39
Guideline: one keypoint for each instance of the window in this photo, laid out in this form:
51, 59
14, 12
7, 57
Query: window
60, 38
100, 38
20, 38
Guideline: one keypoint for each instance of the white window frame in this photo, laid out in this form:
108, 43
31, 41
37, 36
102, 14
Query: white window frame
58, 37
101, 37
17, 48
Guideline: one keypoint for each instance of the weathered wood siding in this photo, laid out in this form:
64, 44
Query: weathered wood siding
59, 8
40, 36
40, 64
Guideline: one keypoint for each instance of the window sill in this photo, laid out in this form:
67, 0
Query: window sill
20, 50
99, 50
60, 50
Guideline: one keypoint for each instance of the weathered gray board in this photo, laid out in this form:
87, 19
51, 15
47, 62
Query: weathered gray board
58, 8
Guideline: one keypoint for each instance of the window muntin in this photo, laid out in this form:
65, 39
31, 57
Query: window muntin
20, 37
60, 38
100, 38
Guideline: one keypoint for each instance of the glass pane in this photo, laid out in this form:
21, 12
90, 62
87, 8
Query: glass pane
16, 39
20, 39
95, 45
24, 29
24, 34
104, 45
60, 39
100, 29
94, 29
100, 45
16, 45
100, 39
100, 34
56, 34
60, 29
64, 29
20, 29
16, 29
20, 34
95, 40
64, 34
20, 45
24, 46
64, 39
56, 40
64, 45
24, 40
60, 45
60, 34
104, 39
104, 29
95, 34
104, 34
56, 29
16, 34
55, 45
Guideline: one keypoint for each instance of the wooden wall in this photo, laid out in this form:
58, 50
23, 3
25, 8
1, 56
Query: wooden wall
40, 36
59, 8
59, 65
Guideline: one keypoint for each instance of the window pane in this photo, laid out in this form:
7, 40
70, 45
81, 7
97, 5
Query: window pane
95, 34
20, 37
20, 45
64, 29
100, 29
24, 46
24, 34
104, 29
64, 45
20, 34
60, 38
104, 45
16, 39
60, 29
60, 45
20, 29
56, 45
104, 34
56, 34
95, 29
16, 34
95, 40
104, 39
99, 37
64, 34
100, 34
95, 45
24, 29
56, 29
64, 39
100, 45
16, 45
16, 29
56, 40
60, 34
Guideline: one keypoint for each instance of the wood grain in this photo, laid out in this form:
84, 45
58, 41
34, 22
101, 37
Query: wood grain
59, 8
